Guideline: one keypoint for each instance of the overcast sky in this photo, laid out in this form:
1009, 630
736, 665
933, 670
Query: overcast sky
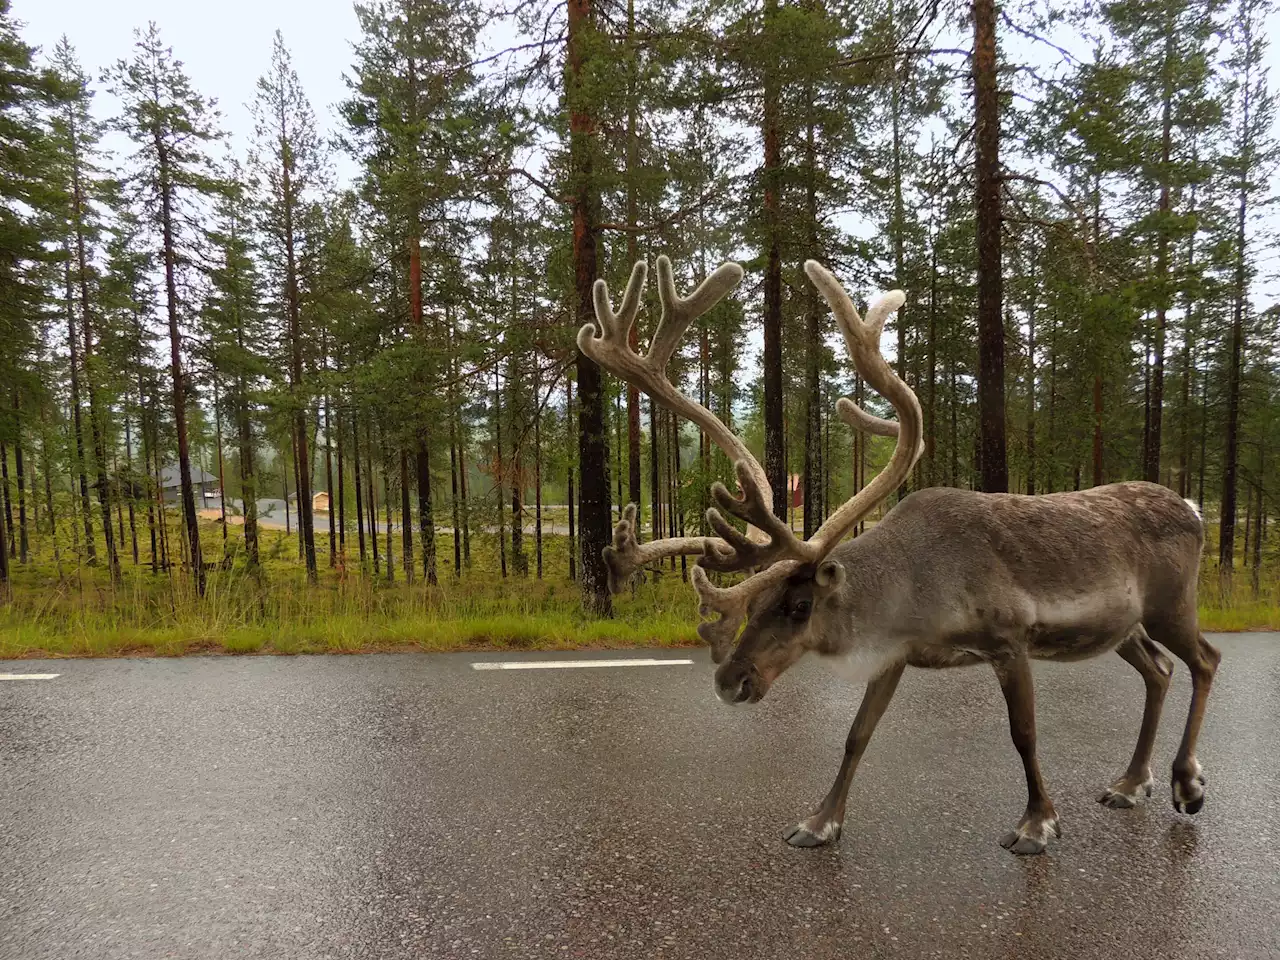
225, 45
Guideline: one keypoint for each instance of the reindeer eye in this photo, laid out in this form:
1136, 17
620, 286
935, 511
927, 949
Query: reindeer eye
801, 609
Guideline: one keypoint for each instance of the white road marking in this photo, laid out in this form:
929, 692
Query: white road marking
28, 676
571, 664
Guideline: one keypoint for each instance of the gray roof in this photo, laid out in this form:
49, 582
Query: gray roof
170, 476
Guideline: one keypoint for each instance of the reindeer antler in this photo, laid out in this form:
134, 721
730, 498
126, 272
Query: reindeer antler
782, 552
607, 343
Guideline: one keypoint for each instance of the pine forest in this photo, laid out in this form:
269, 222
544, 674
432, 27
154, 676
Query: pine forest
318, 388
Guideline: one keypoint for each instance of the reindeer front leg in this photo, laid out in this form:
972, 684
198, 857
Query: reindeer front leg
1040, 820
824, 826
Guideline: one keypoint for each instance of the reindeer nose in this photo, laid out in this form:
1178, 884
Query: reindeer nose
735, 682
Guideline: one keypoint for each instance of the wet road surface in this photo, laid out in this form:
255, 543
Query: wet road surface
409, 806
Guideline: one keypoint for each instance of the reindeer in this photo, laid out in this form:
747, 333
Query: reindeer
948, 578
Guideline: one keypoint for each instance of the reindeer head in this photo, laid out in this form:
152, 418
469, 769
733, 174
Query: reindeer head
787, 599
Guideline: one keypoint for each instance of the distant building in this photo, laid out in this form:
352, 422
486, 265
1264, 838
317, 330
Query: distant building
320, 503
203, 484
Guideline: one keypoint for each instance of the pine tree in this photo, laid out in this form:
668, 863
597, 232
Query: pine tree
290, 166
76, 135
26, 200
171, 126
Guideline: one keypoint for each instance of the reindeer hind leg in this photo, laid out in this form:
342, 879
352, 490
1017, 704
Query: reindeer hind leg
1180, 635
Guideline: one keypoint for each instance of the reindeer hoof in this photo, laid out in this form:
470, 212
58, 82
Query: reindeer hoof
1032, 835
1188, 791
813, 832
1125, 794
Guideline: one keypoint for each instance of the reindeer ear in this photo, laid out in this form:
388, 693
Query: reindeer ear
830, 575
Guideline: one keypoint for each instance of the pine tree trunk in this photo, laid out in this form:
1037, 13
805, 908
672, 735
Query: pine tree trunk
775, 466
5, 589
813, 336
1227, 523
23, 539
73, 341
655, 470
342, 494
302, 454
386, 502
328, 480
499, 476
617, 449
284, 479
7, 534
991, 408
459, 432
453, 490
931, 386
422, 459
47, 470
898, 224
1151, 465
1260, 523
1188, 338
132, 487
1053, 396
222, 486
175, 366
1031, 377
537, 471
426, 516
372, 501
355, 458
297, 487
633, 256
519, 562
593, 453
406, 520
1204, 439
1097, 430
573, 541
463, 488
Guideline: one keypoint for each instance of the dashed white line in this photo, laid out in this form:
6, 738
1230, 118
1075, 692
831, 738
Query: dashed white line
572, 664
28, 676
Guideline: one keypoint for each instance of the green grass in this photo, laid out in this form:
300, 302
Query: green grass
69, 609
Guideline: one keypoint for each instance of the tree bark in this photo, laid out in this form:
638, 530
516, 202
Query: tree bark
593, 451
633, 255
1151, 455
498, 474
775, 466
23, 539
355, 457
812, 343
175, 365
991, 405
573, 548
328, 479
1227, 523
73, 341
372, 501
1031, 376
306, 527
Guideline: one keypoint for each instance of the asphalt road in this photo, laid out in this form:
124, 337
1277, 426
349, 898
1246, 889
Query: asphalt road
409, 806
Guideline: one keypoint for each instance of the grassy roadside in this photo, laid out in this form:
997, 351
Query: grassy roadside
342, 635
74, 611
